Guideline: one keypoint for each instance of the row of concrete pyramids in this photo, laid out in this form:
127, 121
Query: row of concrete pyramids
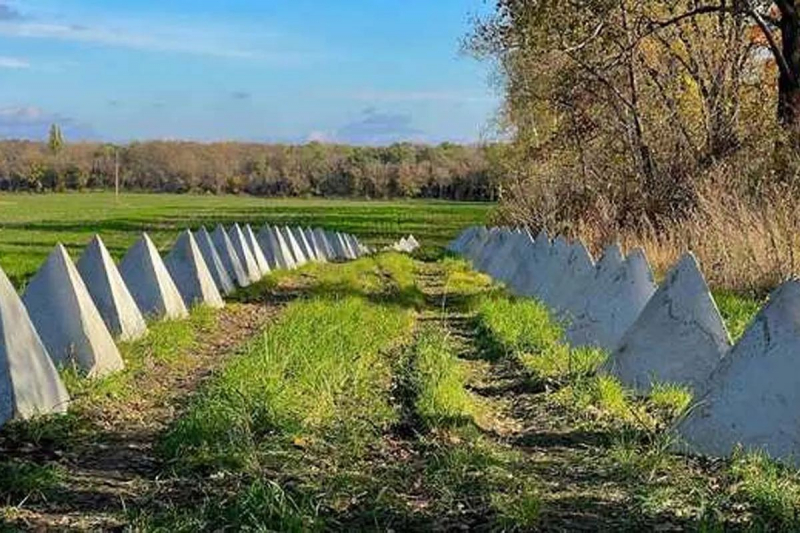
745, 395
69, 314
405, 245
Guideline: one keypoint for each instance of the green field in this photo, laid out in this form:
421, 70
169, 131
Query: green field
30, 225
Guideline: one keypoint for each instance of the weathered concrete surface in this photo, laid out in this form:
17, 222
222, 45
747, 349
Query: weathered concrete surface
615, 304
230, 260
501, 254
532, 275
255, 248
276, 248
319, 248
109, 292
29, 382
485, 254
554, 269
578, 274
476, 243
225, 285
335, 240
348, 251
519, 254
67, 320
150, 283
413, 240
752, 397
678, 338
457, 244
244, 254
190, 273
298, 235
294, 247
322, 240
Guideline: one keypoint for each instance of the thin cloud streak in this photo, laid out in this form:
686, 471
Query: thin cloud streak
14, 63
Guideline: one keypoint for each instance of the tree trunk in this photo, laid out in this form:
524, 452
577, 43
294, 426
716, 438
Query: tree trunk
789, 83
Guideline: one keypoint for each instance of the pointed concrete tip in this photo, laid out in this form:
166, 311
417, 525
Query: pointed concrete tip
258, 252
225, 285
66, 318
229, 257
244, 254
150, 282
191, 274
29, 383
751, 398
679, 337
109, 292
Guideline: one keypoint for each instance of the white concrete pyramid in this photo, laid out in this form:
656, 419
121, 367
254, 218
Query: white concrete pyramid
346, 251
319, 249
150, 283
299, 258
225, 285
678, 338
355, 247
578, 273
300, 237
244, 254
230, 260
413, 240
109, 292
255, 248
67, 320
275, 248
477, 243
531, 277
553, 271
522, 243
458, 244
615, 305
751, 398
29, 383
496, 261
324, 242
191, 274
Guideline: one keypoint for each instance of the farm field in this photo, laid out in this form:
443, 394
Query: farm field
389, 393
30, 225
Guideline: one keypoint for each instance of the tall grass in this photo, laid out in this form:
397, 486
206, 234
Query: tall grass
318, 371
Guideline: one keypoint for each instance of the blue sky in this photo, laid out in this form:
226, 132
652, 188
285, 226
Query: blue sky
356, 71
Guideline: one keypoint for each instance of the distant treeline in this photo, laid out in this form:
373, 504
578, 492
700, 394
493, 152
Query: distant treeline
446, 171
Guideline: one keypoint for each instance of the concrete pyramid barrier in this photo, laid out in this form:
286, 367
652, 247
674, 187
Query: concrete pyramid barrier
474, 244
578, 273
522, 243
500, 255
532, 276
225, 285
305, 247
150, 283
678, 338
67, 320
488, 251
109, 292
275, 247
294, 247
191, 275
457, 245
319, 250
244, 254
751, 398
256, 249
337, 245
554, 270
324, 242
413, 240
614, 304
29, 383
348, 251
230, 260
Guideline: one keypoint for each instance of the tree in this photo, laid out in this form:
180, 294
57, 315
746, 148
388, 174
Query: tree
55, 140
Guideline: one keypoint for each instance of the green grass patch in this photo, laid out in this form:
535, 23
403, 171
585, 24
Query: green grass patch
772, 491
22, 479
737, 311
438, 378
318, 373
32, 224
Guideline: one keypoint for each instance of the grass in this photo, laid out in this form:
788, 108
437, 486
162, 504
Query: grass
30, 225
737, 310
318, 373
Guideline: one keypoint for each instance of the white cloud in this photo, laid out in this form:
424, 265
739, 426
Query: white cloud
13, 63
